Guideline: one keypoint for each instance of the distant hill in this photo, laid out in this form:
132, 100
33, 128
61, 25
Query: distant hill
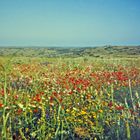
105, 51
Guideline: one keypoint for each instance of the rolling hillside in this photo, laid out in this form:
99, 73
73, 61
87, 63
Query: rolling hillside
105, 51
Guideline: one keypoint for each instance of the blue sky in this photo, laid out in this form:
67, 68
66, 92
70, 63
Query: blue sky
69, 22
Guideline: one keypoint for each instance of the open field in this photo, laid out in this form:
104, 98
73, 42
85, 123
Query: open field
52, 94
51, 52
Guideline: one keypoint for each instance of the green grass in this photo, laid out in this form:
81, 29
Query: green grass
70, 98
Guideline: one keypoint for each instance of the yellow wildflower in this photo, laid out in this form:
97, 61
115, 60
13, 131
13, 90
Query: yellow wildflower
100, 111
83, 113
67, 110
94, 115
27, 129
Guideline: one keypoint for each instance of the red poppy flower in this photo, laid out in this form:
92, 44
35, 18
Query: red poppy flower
37, 98
1, 105
19, 111
119, 107
110, 104
35, 110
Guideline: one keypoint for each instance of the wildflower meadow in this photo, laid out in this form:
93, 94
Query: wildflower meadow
69, 99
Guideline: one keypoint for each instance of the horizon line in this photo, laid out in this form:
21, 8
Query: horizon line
62, 46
